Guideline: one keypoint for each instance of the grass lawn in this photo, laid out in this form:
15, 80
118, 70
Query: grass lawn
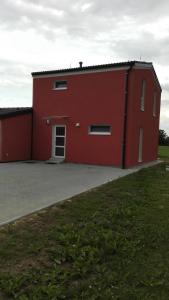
164, 152
108, 243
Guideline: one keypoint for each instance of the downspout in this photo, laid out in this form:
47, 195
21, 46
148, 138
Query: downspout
32, 127
1, 156
126, 116
32, 124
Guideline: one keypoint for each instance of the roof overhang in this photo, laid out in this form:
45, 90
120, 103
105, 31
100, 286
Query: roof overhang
77, 72
56, 117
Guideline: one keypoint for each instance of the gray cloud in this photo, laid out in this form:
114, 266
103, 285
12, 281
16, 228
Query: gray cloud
72, 17
165, 105
100, 31
90, 20
15, 84
165, 86
164, 123
145, 47
14, 73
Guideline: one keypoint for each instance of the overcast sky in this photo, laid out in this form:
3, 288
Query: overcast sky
38, 35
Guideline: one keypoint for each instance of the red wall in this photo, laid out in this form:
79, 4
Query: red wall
95, 98
16, 138
142, 119
0, 140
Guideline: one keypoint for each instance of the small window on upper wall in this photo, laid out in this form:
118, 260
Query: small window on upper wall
142, 100
154, 104
100, 129
60, 85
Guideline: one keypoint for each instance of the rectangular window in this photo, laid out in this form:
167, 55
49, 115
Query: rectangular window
140, 146
154, 104
60, 85
100, 129
142, 100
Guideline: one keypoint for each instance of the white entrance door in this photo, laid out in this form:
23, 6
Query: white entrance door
59, 141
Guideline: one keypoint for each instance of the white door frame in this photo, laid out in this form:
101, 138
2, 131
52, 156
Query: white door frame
54, 140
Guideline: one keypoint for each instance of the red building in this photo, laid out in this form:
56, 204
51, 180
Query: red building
15, 134
105, 114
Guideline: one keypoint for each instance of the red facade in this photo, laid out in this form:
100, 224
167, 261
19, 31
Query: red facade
143, 119
104, 115
109, 96
15, 137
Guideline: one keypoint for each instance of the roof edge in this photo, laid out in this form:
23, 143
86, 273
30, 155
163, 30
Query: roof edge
98, 68
11, 112
90, 68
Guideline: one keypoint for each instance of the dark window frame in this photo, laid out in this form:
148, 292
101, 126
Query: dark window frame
60, 85
99, 129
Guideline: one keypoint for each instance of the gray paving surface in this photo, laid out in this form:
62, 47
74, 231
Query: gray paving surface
27, 187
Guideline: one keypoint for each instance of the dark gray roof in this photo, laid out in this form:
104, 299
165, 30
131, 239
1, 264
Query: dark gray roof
88, 68
14, 111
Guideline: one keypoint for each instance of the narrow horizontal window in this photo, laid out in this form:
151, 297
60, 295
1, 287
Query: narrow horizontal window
100, 129
60, 85
142, 100
154, 104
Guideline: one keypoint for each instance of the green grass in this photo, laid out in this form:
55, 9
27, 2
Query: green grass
164, 153
109, 243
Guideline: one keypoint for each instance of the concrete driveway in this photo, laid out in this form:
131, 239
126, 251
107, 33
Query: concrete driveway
28, 187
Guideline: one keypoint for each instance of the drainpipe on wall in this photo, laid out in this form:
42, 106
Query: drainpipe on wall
126, 116
1, 141
32, 127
